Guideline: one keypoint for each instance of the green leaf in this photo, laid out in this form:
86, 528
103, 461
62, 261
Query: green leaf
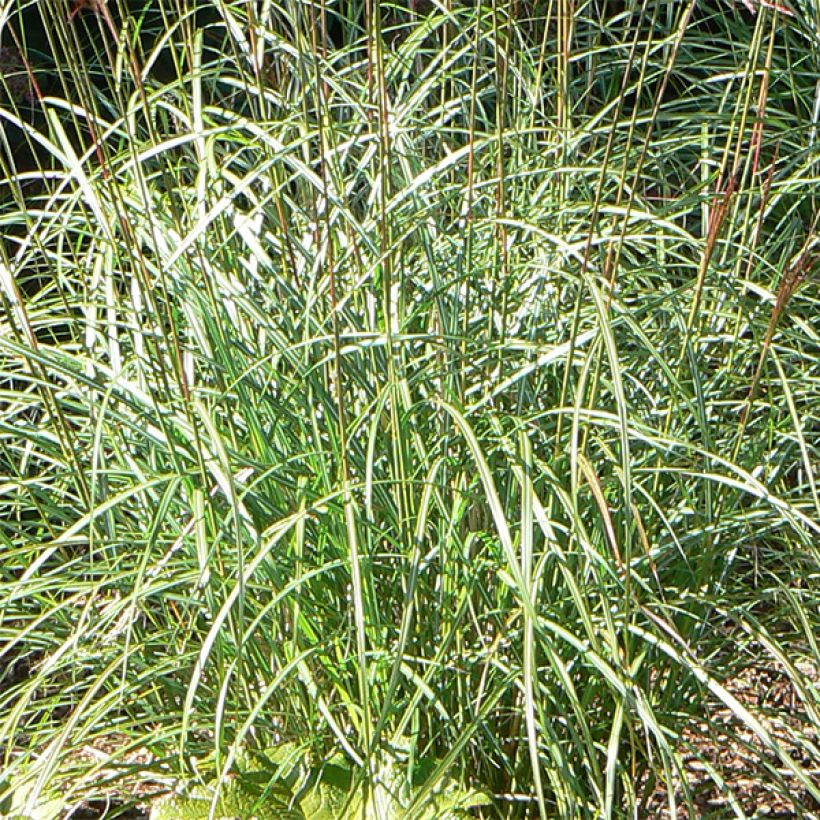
239, 799
18, 792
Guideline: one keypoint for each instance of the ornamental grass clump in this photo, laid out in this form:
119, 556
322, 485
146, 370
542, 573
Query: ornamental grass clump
425, 393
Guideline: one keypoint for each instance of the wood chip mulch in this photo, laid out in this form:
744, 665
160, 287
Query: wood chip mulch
729, 770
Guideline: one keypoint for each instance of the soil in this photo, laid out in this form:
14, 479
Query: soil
724, 749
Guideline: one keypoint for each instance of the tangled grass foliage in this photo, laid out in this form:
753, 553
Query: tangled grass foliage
429, 383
